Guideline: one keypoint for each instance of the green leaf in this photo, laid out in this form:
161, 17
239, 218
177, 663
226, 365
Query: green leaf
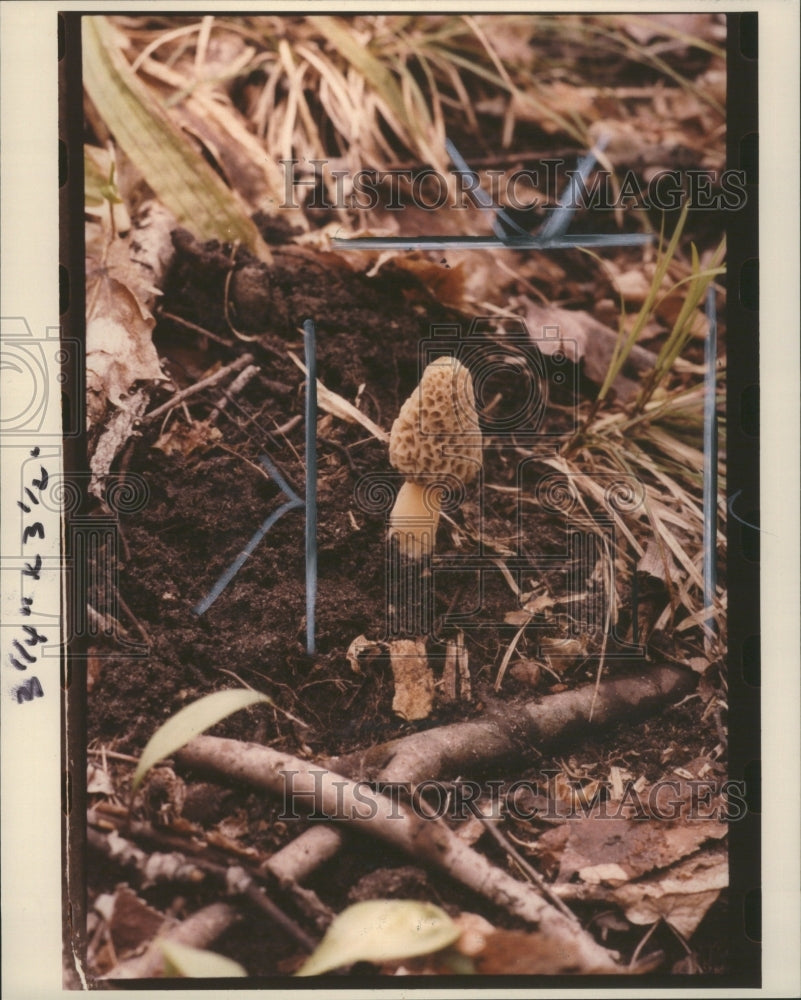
171, 165
189, 722
97, 165
380, 930
181, 960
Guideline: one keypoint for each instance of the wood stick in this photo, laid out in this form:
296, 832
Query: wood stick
430, 841
191, 390
510, 732
452, 752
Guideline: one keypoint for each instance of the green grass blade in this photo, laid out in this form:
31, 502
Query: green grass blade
190, 722
622, 352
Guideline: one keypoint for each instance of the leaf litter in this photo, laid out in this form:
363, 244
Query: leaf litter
658, 870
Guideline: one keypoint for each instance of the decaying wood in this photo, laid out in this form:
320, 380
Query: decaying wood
176, 866
473, 746
430, 841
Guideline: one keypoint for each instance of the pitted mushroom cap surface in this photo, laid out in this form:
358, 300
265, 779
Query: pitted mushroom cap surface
437, 430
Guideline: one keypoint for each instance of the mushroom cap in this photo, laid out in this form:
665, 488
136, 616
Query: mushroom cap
437, 430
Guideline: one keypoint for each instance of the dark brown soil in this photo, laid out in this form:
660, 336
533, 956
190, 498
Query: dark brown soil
203, 509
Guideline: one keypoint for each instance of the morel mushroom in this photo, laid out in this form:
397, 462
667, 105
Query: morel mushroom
435, 437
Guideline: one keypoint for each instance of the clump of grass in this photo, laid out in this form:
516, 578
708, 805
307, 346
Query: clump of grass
659, 437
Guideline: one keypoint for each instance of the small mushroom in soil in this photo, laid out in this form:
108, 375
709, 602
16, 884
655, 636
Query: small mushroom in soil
436, 444
435, 437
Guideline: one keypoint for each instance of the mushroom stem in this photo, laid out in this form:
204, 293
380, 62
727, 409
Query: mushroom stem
414, 520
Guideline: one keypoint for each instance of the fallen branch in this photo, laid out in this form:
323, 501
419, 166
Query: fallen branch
468, 747
449, 750
186, 862
430, 841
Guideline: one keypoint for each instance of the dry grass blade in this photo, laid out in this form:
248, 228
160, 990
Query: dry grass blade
339, 407
607, 31
507, 656
241, 155
172, 167
364, 62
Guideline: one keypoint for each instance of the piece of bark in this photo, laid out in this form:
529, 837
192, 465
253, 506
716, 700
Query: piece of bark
584, 339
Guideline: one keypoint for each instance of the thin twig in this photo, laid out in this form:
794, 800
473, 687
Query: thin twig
139, 626
176, 867
194, 328
288, 426
192, 390
524, 866
104, 752
233, 389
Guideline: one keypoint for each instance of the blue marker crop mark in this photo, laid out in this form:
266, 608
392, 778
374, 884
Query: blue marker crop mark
508, 234
311, 481
710, 454
293, 501
484, 200
557, 223
248, 551
588, 240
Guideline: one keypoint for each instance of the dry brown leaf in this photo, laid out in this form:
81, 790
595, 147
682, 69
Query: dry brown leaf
510, 953
445, 282
519, 617
582, 338
681, 896
183, 439
98, 781
527, 672
119, 344
414, 679
645, 28
133, 923
657, 562
618, 850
